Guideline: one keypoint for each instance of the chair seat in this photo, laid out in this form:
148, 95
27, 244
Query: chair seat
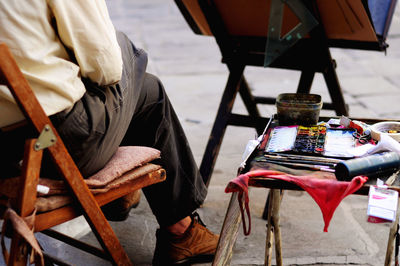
59, 192
125, 159
128, 164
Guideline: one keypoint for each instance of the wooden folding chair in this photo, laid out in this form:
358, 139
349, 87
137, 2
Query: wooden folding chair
85, 202
241, 30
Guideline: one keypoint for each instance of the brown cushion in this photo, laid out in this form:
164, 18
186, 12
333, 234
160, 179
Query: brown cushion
56, 187
44, 204
129, 162
125, 159
128, 176
53, 201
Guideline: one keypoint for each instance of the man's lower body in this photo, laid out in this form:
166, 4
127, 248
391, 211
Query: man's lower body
137, 111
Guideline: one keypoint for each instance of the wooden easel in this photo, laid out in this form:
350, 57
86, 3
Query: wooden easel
309, 55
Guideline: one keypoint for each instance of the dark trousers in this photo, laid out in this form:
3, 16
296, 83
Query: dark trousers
135, 111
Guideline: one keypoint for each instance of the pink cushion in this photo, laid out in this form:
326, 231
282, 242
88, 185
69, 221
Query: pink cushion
128, 177
55, 200
125, 159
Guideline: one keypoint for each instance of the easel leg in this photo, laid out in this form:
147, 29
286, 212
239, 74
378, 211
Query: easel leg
335, 90
306, 79
221, 122
250, 103
391, 240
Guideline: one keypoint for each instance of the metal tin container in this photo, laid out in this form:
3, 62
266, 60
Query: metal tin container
298, 108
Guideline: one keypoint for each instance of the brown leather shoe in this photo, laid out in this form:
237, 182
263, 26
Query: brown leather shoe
196, 245
118, 210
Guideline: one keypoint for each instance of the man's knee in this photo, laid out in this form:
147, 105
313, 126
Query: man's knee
154, 87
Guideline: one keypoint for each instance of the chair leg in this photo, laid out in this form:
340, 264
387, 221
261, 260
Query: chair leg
25, 204
221, 122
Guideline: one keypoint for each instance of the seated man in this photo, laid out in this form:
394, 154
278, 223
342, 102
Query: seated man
93, 84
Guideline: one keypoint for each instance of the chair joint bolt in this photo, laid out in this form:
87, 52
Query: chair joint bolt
46, 138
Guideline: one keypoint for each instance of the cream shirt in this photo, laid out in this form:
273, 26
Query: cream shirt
84, 27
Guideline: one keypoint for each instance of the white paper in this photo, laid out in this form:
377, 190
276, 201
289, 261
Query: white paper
282, 139
382, 203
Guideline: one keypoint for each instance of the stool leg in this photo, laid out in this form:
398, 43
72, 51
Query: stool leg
273, 230
229, 233
270, 232
391, 240
275, 222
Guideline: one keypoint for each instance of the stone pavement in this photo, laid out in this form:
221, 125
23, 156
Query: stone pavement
189, 66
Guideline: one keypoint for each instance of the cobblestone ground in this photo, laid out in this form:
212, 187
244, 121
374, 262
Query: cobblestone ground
190, 68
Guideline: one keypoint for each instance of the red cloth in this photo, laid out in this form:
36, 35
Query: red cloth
327, 193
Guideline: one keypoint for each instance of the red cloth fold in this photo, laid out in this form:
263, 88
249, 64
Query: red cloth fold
327, 193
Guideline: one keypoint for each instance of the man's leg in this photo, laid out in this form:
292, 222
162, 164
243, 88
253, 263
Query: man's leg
182, 236
155, 124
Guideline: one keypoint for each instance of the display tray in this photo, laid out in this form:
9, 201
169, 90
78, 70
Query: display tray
282, 152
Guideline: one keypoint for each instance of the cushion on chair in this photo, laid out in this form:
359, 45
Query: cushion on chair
126, 177
44, 204
54, 201
128, 163
125, 159
56, 186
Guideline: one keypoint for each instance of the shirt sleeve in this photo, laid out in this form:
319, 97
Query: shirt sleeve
86, 28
